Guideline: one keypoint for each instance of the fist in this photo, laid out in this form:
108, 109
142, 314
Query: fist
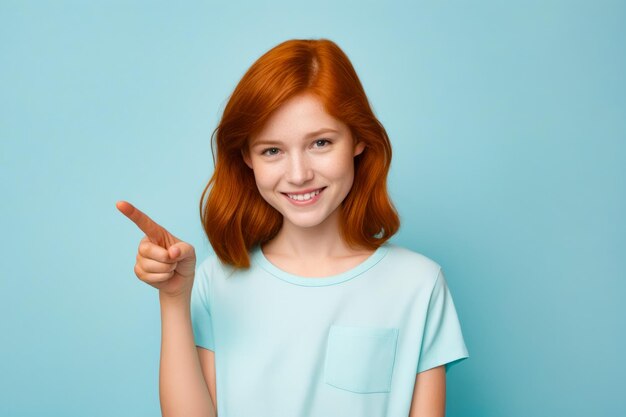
163, 261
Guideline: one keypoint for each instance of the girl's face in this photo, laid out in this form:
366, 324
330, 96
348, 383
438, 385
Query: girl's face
302, 150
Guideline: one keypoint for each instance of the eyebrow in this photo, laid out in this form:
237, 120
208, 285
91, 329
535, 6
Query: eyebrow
308, 135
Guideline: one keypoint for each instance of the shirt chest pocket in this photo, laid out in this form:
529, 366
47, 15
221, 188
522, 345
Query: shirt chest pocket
360, 359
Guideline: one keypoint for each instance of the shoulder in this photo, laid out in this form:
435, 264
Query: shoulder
417, 264
211, 266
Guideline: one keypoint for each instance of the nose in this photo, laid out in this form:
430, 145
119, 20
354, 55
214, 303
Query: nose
299, 170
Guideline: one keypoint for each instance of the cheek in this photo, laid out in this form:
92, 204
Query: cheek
265, 177
339, 168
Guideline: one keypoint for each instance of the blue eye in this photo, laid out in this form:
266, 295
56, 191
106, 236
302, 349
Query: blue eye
274, 150
268, 149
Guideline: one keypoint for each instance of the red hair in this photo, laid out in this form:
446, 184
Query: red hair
234, 215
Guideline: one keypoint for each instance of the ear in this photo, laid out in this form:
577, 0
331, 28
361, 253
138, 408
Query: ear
360, 147
246, 158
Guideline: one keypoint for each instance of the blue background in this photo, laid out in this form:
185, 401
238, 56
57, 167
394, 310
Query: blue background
508, 125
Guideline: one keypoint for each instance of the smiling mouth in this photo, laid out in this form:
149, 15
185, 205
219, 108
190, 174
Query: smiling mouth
301, 197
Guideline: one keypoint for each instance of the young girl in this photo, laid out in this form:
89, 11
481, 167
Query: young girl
306, 308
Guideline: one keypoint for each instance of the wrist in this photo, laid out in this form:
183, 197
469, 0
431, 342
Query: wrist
183, 299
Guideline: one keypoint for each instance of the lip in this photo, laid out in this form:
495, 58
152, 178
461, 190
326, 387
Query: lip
308, 190
307, 202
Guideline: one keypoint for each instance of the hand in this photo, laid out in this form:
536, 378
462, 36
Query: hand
163, 260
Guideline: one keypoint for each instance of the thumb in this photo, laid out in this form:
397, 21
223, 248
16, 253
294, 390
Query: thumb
180, 251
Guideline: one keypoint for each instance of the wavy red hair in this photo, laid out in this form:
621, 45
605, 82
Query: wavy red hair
234, 215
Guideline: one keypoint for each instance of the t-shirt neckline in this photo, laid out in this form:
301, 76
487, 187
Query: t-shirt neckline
256, 255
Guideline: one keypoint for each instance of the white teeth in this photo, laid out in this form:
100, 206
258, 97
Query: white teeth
304, 197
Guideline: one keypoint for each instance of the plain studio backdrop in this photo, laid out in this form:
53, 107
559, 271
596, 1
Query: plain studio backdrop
508, 126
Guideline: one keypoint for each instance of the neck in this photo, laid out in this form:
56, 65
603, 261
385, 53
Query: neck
322, 241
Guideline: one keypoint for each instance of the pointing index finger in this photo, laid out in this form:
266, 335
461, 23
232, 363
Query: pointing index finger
155, 232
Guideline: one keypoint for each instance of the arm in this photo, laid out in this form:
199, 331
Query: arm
182, 387
429, 394
207, 362
168, 264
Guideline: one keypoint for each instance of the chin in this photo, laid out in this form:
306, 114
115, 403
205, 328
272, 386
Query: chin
304, 221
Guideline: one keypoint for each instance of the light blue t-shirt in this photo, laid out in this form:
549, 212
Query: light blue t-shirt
344, 345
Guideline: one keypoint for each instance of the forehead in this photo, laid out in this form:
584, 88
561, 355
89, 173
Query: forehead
296, 119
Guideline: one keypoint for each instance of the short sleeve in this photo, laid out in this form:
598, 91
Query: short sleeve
442, 341
201, 320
